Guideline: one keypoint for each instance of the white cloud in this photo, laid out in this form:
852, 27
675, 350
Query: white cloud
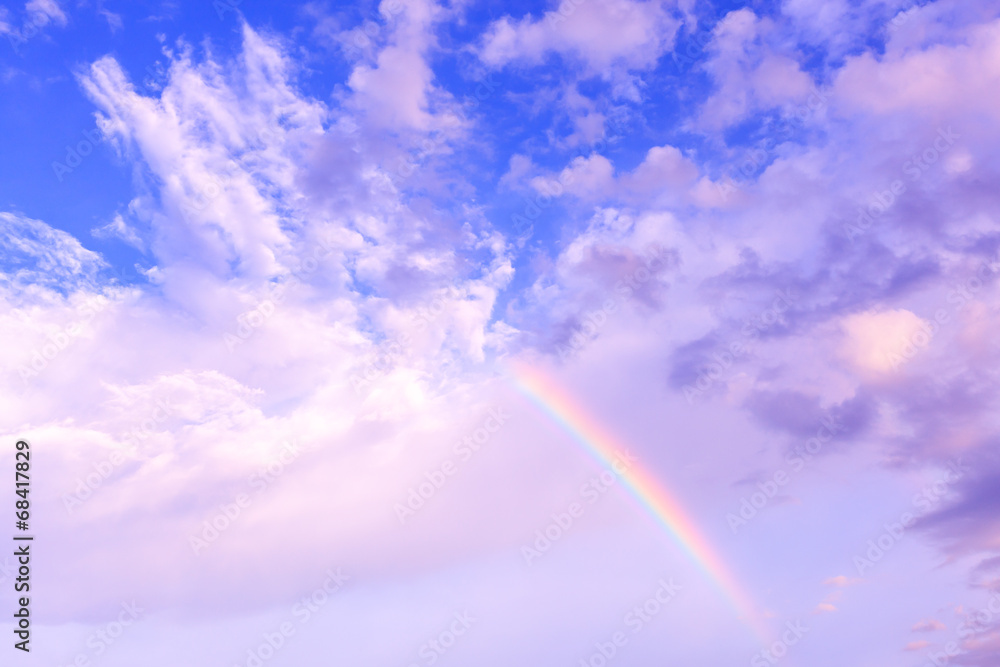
664, 178
643, 31
258, 232
120, 229
45, 11
249, 184
36, 254
749, 75
114, 20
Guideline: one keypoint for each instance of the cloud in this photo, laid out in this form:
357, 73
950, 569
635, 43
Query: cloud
577, 29
120, 229
966, 520
931, 81
296, 293
918, 645
874, 340
664, 178
44, 11
114, 20
326, 270
801, 416
36, 254
749, 75
931, 625
397, 88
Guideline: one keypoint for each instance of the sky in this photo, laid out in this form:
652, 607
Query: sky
592, 333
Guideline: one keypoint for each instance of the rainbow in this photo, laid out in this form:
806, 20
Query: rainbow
641, 485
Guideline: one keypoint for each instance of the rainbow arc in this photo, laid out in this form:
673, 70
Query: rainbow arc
654, 498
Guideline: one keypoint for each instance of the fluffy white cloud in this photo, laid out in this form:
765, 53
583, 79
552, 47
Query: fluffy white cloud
319, 275
643, 31
288, 299
749, 75
876, 342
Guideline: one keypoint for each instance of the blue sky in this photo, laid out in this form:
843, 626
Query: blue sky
47, 114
